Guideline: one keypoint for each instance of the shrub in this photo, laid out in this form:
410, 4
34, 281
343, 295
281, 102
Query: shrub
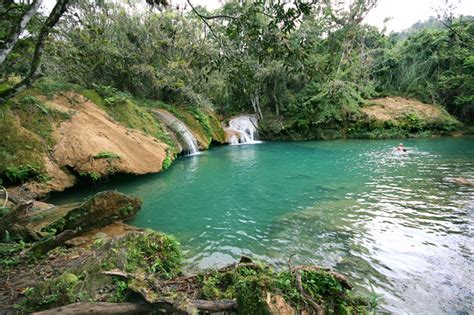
106, 155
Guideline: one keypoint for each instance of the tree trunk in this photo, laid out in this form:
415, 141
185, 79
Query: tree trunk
7, 46
275, 99
53, 18
256, 105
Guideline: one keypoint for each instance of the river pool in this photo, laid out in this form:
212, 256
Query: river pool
396, 221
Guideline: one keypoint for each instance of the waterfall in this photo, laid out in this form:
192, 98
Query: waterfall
243, 129
181, 130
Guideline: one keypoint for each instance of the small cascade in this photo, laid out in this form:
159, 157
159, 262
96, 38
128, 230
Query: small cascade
243, 130
188, 141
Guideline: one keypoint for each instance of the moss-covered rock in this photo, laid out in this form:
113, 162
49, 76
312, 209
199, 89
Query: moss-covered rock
34, 221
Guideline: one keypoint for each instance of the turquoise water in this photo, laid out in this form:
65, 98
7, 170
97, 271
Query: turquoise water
394, 220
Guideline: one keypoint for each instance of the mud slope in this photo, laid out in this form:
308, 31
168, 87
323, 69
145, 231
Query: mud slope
394, 108
91, 143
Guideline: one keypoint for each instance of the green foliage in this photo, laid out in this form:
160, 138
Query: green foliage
110, 95
61, 290
203, 120
55, 228
302, 69
250, 294
409, 123
98, 243
147, 54
433, 65
4, 210
93, 96
8, 259
22, 173
106, 155
330, 102
128, 113
32, 100
413, 122
149, 252
38, 118
49, 87
250, 285
374, 299
168, 160
18, 60
120, 292
93, 176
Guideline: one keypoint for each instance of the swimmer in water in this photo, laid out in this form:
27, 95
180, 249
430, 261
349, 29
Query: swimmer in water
401, 148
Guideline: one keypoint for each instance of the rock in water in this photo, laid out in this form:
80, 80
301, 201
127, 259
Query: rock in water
461, 181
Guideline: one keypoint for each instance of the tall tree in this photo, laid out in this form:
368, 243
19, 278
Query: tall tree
34, 73
18, 27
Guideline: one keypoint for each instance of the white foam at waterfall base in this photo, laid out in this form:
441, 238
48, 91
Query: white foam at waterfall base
179, 127
234, 140
246, 127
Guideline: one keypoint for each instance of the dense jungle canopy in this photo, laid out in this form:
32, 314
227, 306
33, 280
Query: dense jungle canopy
297, 64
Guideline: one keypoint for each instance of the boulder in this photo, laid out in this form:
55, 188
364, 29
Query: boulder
32, 221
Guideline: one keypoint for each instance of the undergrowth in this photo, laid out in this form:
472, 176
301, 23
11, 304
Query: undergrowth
148, 252
249, 287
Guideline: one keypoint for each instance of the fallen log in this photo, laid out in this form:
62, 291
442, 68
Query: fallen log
180, 304
41, 248
214, 306
100, 308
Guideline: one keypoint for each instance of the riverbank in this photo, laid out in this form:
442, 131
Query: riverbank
82, 252
383, 118
56, 135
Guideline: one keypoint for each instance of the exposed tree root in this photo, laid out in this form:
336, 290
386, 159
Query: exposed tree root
318, 308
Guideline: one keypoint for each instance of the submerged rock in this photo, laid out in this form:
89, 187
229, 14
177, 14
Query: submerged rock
461, 181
